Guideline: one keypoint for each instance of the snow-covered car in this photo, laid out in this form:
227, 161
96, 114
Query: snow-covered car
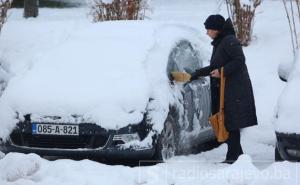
107, 91
287, 125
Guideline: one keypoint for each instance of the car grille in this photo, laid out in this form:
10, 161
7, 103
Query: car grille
63, 142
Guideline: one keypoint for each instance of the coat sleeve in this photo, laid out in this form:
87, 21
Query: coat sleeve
234, 50
205, 71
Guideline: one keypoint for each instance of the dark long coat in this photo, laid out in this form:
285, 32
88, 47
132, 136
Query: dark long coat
239, 106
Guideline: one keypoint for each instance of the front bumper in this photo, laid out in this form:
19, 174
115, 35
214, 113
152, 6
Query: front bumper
288, 146
107, 153
92, 142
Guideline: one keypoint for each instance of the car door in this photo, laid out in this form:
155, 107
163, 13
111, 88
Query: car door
195, 96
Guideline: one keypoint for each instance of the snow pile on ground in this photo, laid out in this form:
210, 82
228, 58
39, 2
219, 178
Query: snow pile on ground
289, 101
31, 169
15, 167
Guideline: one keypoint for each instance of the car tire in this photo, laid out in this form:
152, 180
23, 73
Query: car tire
167, 142
278, 158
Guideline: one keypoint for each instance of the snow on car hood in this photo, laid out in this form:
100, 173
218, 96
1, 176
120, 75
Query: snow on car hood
288, 108
104, 72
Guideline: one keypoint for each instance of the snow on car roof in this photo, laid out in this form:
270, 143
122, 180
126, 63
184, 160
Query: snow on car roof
104, 72
288, 108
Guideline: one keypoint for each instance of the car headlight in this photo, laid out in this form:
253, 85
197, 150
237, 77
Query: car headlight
127, 137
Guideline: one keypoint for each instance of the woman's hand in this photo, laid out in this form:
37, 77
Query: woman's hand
215, 73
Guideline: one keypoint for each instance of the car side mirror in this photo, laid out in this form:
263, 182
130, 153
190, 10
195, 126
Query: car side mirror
282, 79
284, 70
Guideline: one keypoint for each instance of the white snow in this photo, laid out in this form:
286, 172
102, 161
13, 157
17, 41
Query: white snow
287, 119
31, 169
270, 47
107, 1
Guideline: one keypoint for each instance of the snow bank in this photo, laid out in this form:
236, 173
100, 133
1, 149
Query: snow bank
17, 166
280, 173
31, 169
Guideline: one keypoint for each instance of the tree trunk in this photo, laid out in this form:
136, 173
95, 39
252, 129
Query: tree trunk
31, 8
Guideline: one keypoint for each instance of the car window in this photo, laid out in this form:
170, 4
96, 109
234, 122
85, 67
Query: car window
184, 58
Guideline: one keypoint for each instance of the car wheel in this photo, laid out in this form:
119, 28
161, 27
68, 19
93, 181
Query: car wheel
278, 158
167, 142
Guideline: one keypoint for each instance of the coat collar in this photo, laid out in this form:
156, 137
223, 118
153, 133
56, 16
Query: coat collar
217, 40
227, 30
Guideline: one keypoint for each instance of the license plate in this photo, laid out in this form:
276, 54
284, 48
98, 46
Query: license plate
52, 129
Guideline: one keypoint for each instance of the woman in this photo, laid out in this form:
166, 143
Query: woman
239, 103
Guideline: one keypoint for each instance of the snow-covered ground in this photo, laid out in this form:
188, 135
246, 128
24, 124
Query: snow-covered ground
31, 169
271, 46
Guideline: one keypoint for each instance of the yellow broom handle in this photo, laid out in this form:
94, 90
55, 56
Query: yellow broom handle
222, 90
